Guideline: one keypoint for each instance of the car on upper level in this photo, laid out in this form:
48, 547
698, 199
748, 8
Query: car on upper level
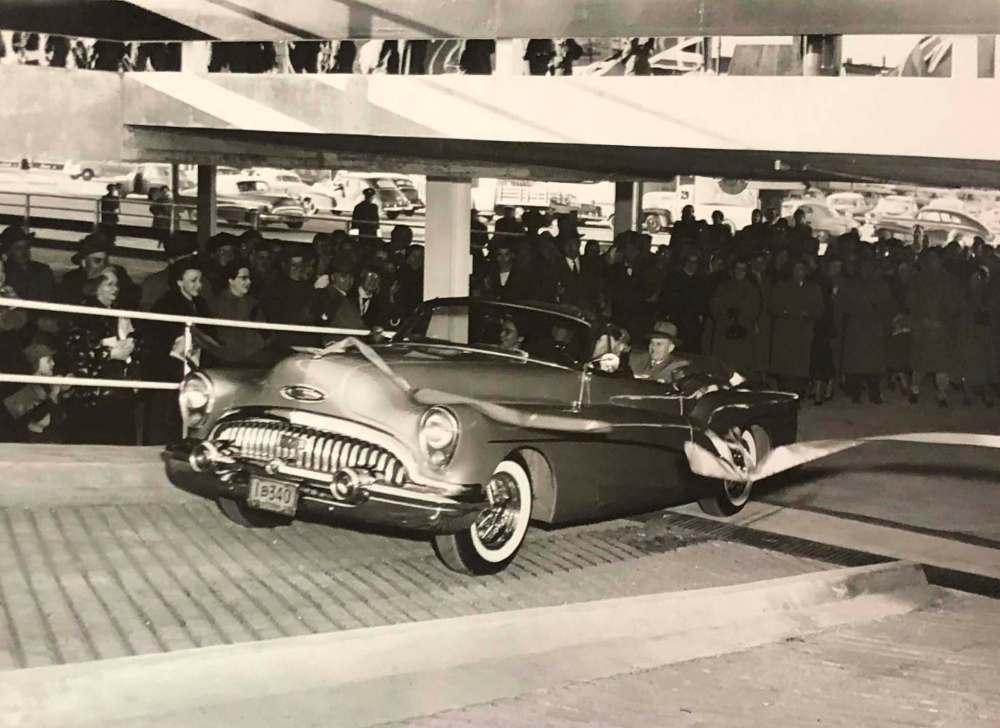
941, 226
286, 182
450, 430
249, 202
346, 189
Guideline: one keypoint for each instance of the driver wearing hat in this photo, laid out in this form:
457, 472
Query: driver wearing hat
659, 362
92, 257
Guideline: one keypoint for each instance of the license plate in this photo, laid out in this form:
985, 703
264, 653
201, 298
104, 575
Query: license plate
273, 495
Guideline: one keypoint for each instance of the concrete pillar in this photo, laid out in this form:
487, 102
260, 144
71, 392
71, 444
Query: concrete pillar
965, 56
628, 207
447, 255
207, 208
509, 58
821, 55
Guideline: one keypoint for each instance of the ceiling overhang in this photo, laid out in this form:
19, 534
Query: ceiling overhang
236, 20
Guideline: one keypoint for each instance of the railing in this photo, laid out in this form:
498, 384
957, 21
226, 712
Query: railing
186, 321
89, 217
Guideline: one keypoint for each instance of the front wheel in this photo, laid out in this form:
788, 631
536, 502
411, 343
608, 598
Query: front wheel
744, 449
87, 175
490, 544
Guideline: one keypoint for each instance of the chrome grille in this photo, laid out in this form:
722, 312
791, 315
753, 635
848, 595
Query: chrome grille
305, 447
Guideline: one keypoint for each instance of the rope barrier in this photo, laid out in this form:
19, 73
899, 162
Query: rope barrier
172, 318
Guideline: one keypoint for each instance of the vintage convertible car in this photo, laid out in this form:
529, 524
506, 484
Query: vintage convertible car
443, 431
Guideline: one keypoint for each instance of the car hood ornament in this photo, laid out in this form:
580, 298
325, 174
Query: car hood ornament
303, 393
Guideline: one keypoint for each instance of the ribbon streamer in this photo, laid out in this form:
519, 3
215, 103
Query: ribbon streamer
711, 465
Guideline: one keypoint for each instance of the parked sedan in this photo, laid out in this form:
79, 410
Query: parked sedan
825, 221
940, 225
249, 202
849, 204
460, 431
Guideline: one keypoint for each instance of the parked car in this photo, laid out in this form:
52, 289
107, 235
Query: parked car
444, 432
892, 206
346, 188
241, 201
941, 225
405, 185
88, 169
826, 222
849, 204
140, 179
286, 182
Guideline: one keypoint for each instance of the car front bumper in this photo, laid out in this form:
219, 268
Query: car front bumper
410, 506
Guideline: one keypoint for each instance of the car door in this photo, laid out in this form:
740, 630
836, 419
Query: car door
639, 465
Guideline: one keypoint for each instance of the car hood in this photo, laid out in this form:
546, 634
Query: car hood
354, 388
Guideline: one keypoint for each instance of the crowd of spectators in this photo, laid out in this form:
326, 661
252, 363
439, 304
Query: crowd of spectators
541, 57
855, 319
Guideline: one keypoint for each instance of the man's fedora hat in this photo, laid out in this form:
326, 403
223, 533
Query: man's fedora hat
663, 330
95, 242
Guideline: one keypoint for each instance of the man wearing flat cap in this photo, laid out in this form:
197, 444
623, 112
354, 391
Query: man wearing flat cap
31, 279
658, 361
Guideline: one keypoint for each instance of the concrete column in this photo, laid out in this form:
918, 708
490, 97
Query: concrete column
965, 56
509, 58
206, 204
821, 55
447, 255
625, 202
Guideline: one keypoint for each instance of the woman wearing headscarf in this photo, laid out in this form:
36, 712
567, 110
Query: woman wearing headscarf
102, 347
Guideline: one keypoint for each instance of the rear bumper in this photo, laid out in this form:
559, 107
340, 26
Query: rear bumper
411, 506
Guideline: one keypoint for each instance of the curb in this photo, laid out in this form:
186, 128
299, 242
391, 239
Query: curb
299, 680
57, 475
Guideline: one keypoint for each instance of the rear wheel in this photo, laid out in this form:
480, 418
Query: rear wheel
294, 224
491, 543
744, 449
87, 175
392, 215
242, 514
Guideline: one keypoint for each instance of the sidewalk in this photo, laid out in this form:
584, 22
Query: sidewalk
935, 667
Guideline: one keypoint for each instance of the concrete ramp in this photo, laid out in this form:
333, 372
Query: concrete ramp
382, 674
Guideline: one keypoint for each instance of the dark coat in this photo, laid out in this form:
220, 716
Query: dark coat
864, 309
160, 336
85, 355
795, 309
338, 310
685, 302
364, 217
735, 308
516, 288
934, 301
33, 281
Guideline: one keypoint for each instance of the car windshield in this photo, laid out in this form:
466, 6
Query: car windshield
538, 333
251, 186
385, 184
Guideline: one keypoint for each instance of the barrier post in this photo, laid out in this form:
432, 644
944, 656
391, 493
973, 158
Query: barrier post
188, 343
97, 213
27, 211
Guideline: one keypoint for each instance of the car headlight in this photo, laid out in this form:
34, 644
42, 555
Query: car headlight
196, 398
439, 431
